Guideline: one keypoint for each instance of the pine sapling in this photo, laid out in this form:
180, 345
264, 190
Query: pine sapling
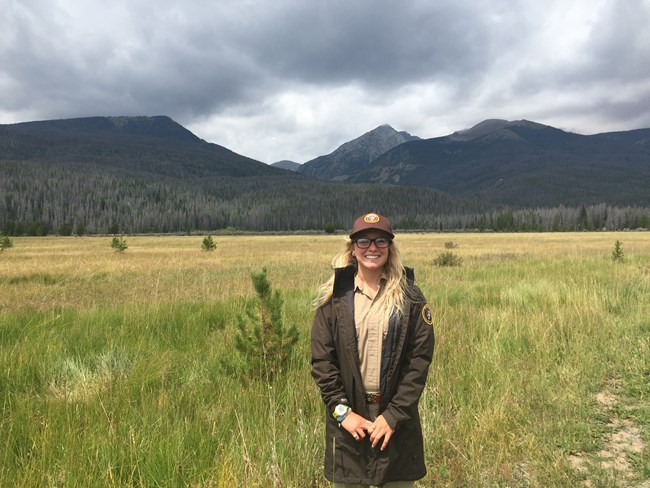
208, 244
263, 342
617, 253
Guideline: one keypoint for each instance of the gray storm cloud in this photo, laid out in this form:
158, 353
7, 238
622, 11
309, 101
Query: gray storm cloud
292, 79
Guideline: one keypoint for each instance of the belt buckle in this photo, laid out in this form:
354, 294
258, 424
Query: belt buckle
372, 398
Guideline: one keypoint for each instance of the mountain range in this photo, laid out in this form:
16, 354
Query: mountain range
519, 163
150, 174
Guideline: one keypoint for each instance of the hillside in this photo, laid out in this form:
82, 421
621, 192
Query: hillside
286, 164
354, 156
523, 163
150, 174
155, 145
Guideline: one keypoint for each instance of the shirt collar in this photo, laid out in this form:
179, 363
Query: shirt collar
359, 285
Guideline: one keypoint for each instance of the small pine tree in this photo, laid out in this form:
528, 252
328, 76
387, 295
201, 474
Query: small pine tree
119, 244
5, 242
329, 228
264, 344
617, 253
208, 244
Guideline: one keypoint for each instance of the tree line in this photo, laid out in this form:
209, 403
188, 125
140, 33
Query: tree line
41, 199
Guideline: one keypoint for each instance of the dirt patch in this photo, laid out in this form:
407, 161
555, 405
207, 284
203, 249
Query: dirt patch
625, 439
614, 459
607, 399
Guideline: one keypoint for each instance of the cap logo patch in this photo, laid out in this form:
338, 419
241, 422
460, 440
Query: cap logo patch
371, 218
427, 315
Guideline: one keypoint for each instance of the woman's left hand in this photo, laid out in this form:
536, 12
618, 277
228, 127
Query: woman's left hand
379, 429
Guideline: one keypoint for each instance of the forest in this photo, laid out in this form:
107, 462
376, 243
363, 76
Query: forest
42, 199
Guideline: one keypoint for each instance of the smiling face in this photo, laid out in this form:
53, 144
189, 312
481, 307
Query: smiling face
372, 259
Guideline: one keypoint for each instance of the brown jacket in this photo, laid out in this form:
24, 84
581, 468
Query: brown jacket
407, 353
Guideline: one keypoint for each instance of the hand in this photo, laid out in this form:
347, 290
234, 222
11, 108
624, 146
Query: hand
378, 429
356, 425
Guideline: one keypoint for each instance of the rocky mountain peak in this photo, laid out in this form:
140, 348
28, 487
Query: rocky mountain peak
353, 155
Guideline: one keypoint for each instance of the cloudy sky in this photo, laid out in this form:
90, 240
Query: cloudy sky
294, 79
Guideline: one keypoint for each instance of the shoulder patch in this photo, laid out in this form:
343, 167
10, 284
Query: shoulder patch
427, 315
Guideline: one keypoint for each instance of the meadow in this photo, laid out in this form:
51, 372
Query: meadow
112, 364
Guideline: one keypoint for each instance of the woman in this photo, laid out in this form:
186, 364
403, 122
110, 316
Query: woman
371, 344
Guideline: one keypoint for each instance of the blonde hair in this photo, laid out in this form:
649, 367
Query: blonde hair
394, 298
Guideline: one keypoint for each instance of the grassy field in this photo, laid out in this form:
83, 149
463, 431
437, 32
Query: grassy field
112, 365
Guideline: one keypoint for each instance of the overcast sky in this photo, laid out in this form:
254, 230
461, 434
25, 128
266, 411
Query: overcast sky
294, 79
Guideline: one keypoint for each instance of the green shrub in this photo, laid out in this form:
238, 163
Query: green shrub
208, 244
5, 242
119, 244
448, 259
329, 228
450, 245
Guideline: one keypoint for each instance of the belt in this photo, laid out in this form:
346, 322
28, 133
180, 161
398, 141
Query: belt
372, 398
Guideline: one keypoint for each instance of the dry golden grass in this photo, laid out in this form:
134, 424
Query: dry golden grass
528, 331
60, 271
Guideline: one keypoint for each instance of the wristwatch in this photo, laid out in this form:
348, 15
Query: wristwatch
340, 412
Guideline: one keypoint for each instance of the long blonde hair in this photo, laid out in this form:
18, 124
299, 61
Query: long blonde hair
394, 298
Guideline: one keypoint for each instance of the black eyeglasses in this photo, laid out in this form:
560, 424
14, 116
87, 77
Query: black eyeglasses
380, 242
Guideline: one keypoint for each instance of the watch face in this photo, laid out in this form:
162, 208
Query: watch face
340, 410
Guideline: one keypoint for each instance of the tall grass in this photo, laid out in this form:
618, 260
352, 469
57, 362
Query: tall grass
112, 366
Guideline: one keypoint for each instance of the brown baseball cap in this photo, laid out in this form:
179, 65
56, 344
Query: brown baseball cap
372, 221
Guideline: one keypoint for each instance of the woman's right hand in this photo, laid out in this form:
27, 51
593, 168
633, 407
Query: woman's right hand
356, 425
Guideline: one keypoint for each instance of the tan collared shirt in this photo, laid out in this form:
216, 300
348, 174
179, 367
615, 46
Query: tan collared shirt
371, 332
